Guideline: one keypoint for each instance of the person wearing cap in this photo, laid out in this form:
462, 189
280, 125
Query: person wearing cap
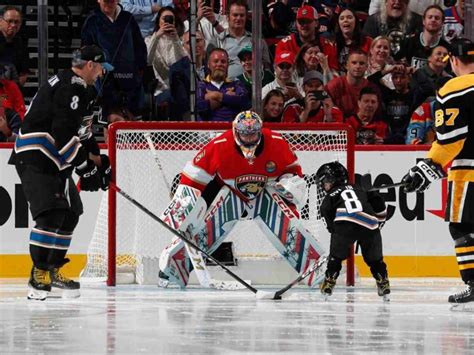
285, 80
454, 147
245, 56
55, 139
307, 31
316, 106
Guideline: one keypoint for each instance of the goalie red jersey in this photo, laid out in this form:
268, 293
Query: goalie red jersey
223, 157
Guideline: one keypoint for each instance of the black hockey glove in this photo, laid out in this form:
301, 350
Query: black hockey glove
422, 175
89, 176
105, 172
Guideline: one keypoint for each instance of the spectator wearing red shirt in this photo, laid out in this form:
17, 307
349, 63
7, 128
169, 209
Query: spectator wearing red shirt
13, 97
316, 106
345, 90
368, 129
307, 31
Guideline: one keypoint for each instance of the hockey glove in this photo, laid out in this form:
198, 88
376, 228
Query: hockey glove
105, 172
89, 176
422, 175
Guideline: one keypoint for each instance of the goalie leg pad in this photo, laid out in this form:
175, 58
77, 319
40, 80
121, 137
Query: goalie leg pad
288, 235
175, 264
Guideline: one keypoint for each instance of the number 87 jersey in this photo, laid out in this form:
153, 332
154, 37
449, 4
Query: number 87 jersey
350, 203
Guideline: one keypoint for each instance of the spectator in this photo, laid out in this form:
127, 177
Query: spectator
349, 36
211, 24
306, 26
165, 50
398, 102
345, 90
10, 122
12, 49
316, 106
380, 59
279, 18
284, 77
309, 58
117, 33
417, 47
234, 38
201, 69
416, 6
218, 98
426, 80
13, 98
117, 114
420, 128
394, 20
145, 12
245, 56
368, 129
273, 104
453, 26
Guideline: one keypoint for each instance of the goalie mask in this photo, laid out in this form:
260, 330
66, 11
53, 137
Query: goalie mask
247, 129
333, 173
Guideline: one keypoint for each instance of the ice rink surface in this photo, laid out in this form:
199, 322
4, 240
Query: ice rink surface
135, 319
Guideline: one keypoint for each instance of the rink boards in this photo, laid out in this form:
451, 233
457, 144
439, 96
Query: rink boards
416, 238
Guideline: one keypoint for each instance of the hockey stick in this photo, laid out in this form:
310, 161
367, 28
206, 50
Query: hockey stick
260, 294
389, 186
277, 295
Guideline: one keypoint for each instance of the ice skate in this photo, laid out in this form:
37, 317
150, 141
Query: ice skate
459, 300
39, 284
70, 287
163, 279
383, 288
327, 286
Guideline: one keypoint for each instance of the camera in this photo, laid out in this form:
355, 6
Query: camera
319, 94
168, 19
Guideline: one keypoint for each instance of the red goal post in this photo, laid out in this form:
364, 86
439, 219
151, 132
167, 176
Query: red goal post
146, 158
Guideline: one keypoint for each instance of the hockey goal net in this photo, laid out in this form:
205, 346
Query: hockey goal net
148, 156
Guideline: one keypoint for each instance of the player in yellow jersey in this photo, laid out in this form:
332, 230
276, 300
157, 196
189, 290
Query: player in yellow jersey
454, 123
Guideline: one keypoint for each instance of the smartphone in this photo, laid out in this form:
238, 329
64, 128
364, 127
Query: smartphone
168, 19
293, 85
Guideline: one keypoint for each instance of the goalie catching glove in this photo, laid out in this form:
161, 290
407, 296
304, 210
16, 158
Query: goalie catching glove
89, 176
422, 175
292, 188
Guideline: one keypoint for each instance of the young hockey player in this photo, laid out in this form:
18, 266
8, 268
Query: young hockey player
247, 172
454, 144
351, 214
54, 139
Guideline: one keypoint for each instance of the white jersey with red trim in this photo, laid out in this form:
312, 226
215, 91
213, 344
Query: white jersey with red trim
222, 158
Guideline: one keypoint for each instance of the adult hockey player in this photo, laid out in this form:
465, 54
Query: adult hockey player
56, 138
351, 215
454, 120
248, 172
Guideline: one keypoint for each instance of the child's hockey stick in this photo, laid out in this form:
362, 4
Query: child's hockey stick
390, 186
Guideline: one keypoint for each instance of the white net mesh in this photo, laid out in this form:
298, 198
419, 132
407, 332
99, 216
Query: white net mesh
148, 174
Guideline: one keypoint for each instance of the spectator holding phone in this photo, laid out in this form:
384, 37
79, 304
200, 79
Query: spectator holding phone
145, 12
164, 49
316, 106
284, 67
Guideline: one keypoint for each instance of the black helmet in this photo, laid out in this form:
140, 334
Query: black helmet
334, 173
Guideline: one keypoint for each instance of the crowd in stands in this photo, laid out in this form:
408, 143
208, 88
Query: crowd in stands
375, 65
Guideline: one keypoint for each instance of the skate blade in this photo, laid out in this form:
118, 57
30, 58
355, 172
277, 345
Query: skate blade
326, 298
462, 307
386, 298
34, 294
71, 293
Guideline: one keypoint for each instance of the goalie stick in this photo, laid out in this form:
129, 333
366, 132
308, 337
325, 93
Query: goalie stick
184, 239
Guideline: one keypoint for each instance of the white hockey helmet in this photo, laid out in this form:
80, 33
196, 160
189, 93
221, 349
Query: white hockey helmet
247, 129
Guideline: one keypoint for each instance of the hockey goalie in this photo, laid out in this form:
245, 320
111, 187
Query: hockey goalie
248, 172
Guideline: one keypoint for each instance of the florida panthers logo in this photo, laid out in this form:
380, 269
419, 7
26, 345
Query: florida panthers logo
250, 185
